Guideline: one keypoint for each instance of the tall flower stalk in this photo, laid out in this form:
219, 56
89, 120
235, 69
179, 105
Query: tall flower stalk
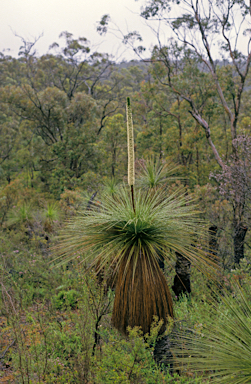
130, 149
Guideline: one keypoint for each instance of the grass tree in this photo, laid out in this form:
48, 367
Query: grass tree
21, 215
128, 232
51, 215
156, 174
221, 346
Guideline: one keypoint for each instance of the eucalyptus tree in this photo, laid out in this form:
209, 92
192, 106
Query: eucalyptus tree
112, 146
165, 129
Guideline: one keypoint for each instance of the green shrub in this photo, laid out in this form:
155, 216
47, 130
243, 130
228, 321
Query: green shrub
66, 299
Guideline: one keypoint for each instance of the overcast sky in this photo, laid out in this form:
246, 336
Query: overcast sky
30, 18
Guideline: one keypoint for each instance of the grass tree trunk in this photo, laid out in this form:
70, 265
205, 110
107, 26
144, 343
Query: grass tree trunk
141, 293
213, 244
213, 252
162, 352
239, 237
181, 283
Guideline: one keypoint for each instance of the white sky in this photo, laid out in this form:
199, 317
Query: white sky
30, 18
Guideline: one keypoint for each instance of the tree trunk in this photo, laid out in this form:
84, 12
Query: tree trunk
181, 283
213, 252
239, 236
162, 353
213, 245
141, 293
161, 263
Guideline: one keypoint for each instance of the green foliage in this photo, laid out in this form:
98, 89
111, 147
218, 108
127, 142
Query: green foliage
51, 216
20, 215
66, 299
112, 146
54, 339
24, 267
156, 174
130, 361
113, 227
221, 347
62, 140
111, 186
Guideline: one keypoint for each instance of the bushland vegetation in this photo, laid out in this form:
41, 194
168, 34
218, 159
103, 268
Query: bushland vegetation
72, 309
